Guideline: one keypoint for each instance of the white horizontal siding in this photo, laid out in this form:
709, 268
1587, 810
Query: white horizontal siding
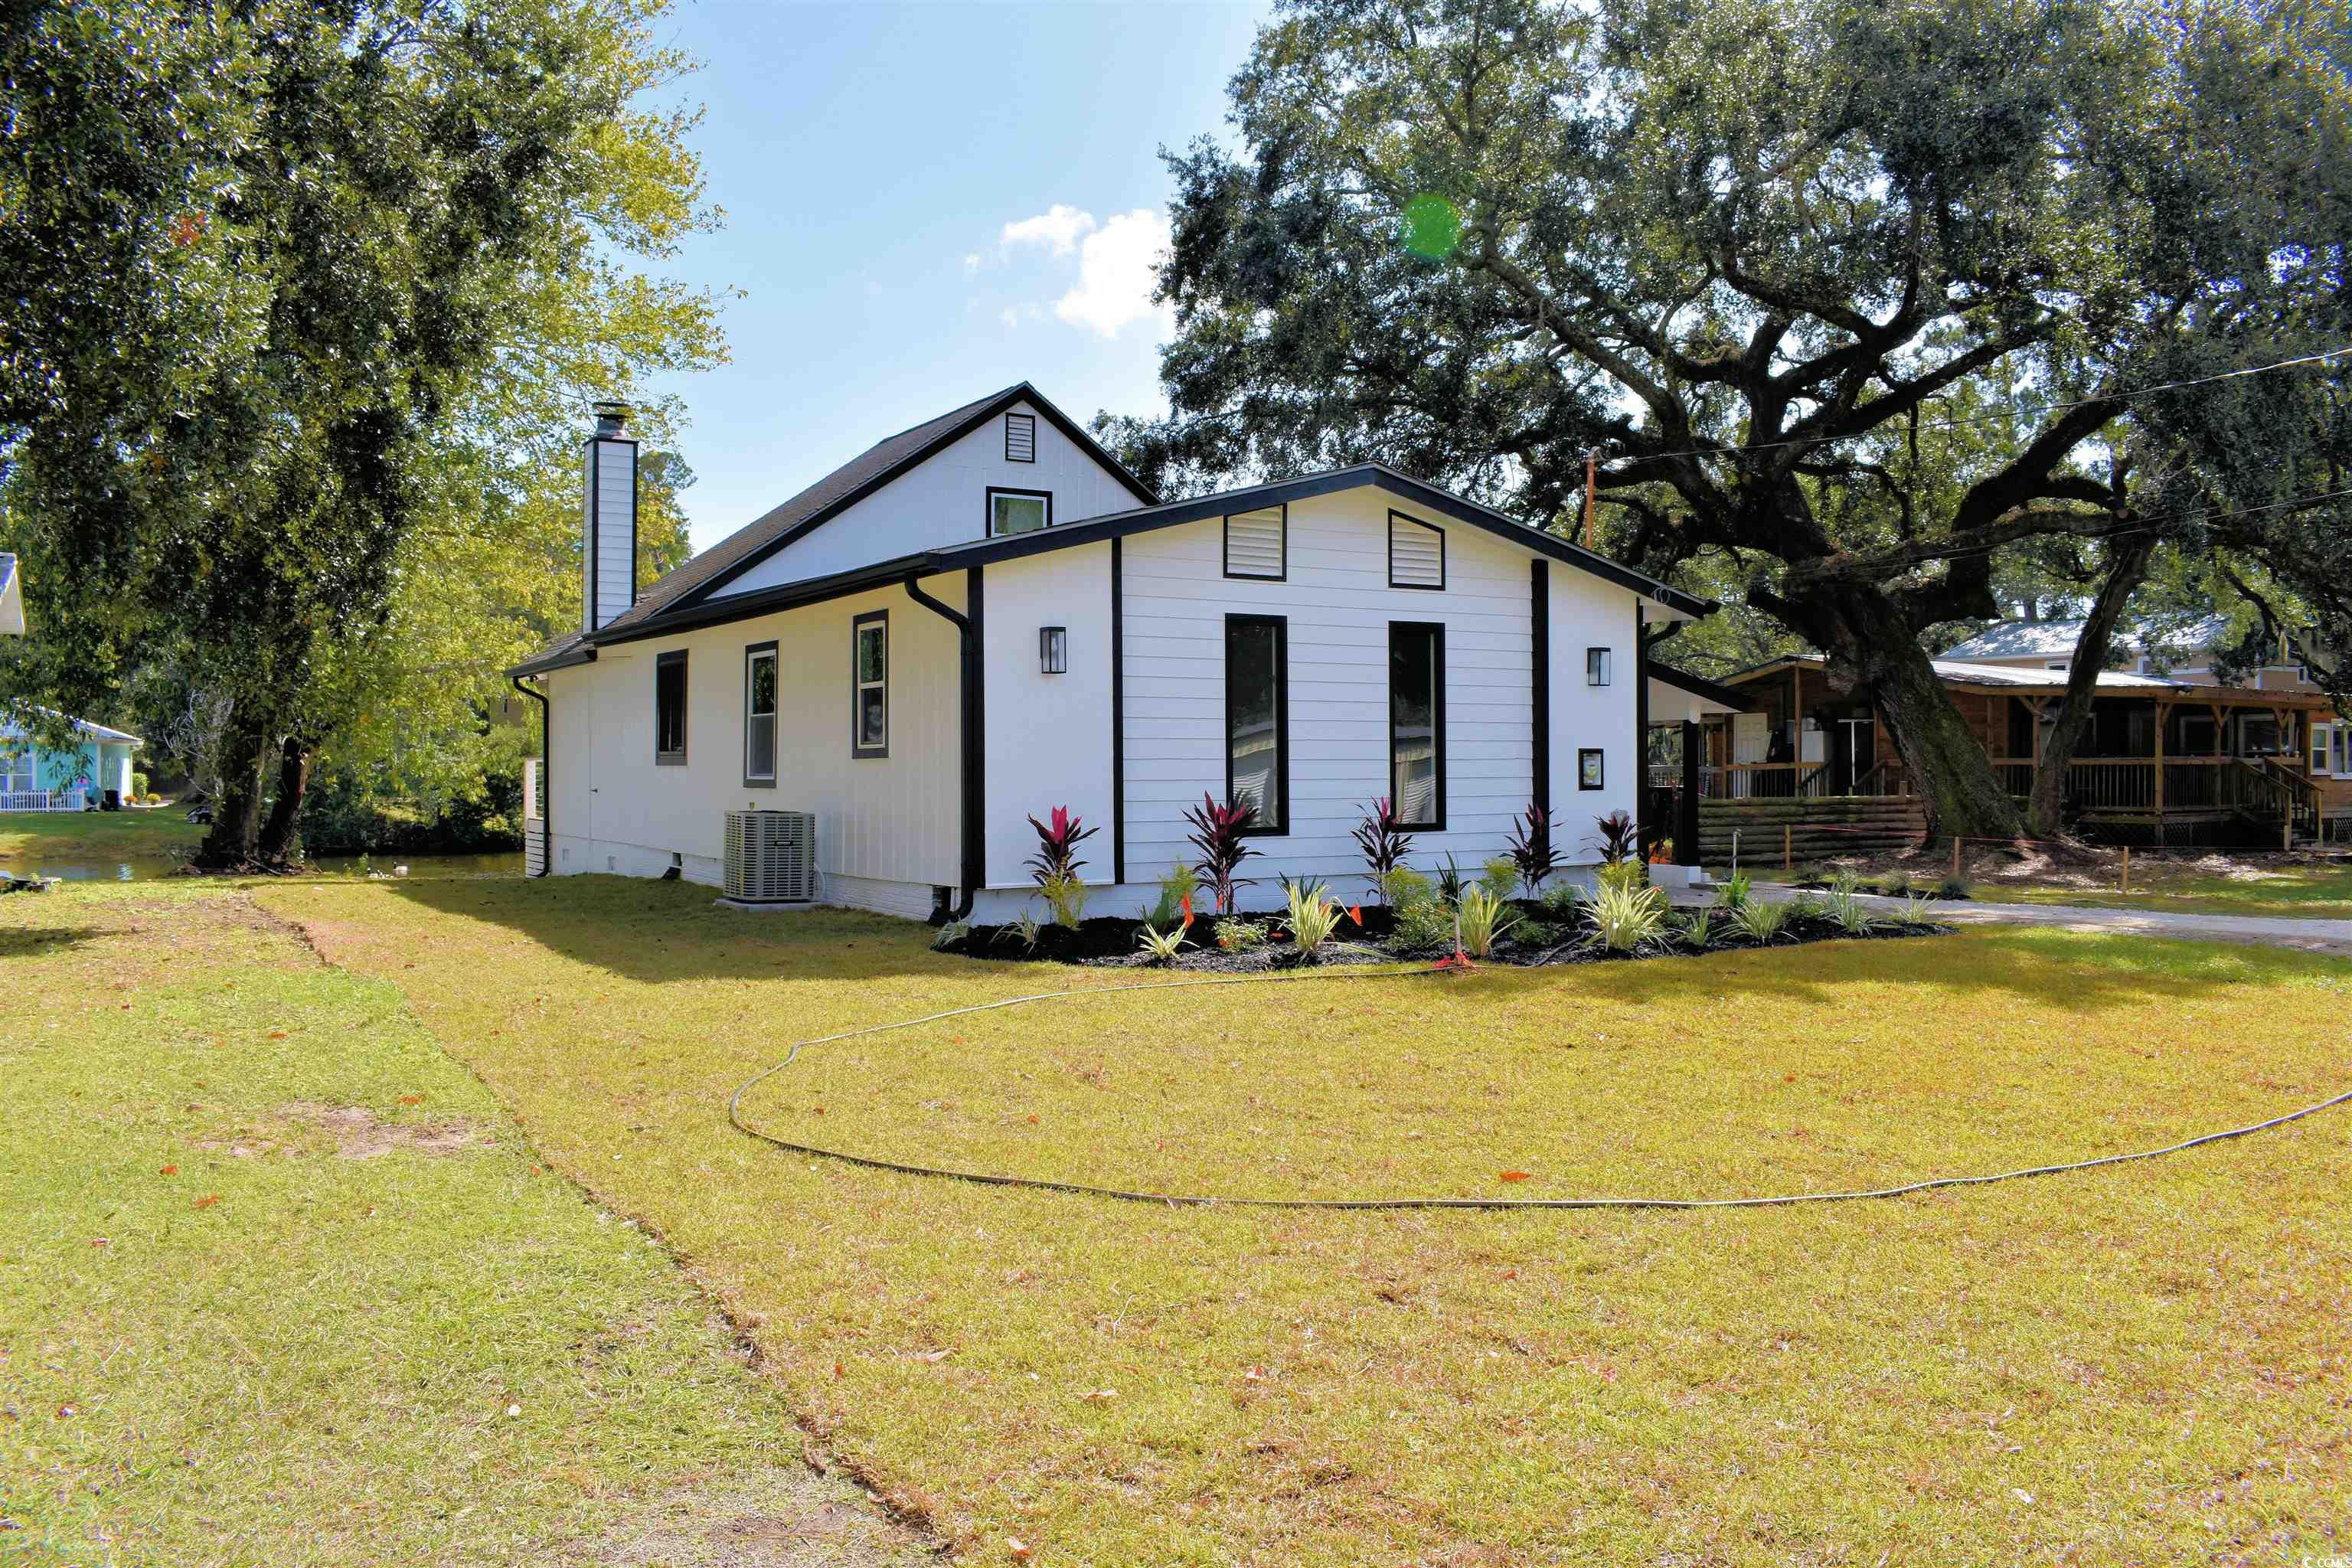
613, 540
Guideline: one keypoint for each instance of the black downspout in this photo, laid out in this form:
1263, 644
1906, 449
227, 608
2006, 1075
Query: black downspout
546, 774
972, 681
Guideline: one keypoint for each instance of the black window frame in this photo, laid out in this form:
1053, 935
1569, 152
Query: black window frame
1600, 767
1436, 630
1030, 421
1396, 517
1608, 665
1281, 626
858, 750
1225, 545
663, 663
752, 654
987, 511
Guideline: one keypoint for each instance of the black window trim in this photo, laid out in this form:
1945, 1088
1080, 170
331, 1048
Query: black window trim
1611, 669
662, 661
988, 509
775, 748
1225, 544
1600, 756
1437, 719
856, 632
1396, 517
1030, 420
1281, 625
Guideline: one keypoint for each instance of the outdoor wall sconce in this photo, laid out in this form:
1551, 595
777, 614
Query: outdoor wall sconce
1596, 667
1052, 650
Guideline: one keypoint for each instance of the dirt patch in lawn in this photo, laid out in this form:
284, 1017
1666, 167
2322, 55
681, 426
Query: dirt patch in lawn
358, 1133
787, 1519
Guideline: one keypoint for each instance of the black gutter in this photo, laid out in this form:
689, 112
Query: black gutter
546, 774
972, 682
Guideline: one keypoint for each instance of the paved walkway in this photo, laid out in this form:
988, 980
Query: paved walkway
2308, 935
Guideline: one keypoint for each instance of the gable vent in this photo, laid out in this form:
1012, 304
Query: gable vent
1021, 437
1254, 544
1416, 553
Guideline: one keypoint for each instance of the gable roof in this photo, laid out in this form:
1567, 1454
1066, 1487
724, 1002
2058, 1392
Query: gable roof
828, 497
81, 726
2056, 639
2003, 677
1697, 686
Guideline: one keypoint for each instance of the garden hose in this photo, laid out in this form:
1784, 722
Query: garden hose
1201, 1200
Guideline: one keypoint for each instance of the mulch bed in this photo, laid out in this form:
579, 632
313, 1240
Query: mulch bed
1106, 942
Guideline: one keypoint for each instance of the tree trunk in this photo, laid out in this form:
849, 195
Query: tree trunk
2042, 812
1872, 647
281, 834
237, 808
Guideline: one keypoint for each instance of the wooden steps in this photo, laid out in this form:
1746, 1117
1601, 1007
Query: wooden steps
1816, 828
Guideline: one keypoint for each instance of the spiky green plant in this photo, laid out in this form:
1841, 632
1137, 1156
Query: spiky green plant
1732, 892
1021, 931
1479, 917
1313, 915
1761, 923
1914, 912
1159, 946
1628, 919
1852, 915
1698, 929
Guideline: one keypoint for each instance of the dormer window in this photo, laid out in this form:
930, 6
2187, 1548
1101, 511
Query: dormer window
1018, 512
1021, 437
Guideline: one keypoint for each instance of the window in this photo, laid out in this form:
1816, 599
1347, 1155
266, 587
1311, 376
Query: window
2342, 747
1257, 718
1596, 667
1018, 512
1021, 437
1416, 553
15, 773
1588, 767
2319, 747
1257, 543
669, 708
869, 661
1417, 723
759, 716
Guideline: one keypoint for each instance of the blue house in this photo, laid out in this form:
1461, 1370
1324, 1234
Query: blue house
36, 778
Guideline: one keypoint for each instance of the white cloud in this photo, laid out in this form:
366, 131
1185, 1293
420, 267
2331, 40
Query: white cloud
1118, 268
1058, 228
971, 261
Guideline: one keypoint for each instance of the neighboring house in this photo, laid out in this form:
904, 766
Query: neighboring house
12, 599
986, 616
2183, 656
36, 778
2167, 759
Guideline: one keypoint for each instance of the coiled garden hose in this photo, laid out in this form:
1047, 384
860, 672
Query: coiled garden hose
1205, 1200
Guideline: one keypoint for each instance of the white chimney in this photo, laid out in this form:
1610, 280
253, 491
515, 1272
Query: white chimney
608, 555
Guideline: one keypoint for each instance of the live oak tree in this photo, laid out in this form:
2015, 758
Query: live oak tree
1852, 297
320, 292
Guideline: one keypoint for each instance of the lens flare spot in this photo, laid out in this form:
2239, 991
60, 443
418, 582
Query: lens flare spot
1432, 226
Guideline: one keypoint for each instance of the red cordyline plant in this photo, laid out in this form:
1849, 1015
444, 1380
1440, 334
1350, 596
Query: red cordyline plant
1619, 835
1217, 834
1531, 847
1058, 847
1383, 842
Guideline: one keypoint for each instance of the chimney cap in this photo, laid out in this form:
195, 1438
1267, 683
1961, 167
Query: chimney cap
612, 416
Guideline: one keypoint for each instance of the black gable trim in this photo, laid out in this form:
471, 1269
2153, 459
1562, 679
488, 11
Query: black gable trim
1025, 393
1697, 686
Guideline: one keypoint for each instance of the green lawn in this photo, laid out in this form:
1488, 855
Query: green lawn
282, 1282
94, 837
2144, 1363
2308, 891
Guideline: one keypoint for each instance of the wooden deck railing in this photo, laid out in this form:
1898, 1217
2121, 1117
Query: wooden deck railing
2267, 786
1806, 781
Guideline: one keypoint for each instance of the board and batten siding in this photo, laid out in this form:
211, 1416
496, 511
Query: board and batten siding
888, 828
608, 568
1048, 736
944, 501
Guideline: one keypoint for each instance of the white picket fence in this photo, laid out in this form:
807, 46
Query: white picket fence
44, 799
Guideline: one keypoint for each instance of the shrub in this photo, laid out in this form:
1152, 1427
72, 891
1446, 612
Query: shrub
1176, 890
1531, 847
1237, 935
1805, 907
1384, 843
1423, 927
1564, 901
1622, 875
1852, 916
1732, 892
1480, 916
1544, 933
1952, 888
1067, 896
1313, 915
949, 935
1896, 884
1914, 912
1845, 879
1761, 923
1021, 931
138, 786
1161, 947
1626, 919
1500, 878
1617, 836
1217, 834
1698, 929
1406, 888
1806, 876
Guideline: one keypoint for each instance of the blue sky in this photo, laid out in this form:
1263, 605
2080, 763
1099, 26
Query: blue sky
926, 203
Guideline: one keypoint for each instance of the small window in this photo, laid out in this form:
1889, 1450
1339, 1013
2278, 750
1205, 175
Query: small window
1257, 718
1588, 767
1021, 437
2319, 747
1416, 553
870, 680
669, 708
1018, 512
1417, 723
2342, 746
1597, 663
1257, 543
2056, 663
759, 716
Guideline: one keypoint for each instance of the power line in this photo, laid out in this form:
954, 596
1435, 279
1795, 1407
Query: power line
2321, 358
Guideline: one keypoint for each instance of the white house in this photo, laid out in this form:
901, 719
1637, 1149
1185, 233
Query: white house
986, 616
